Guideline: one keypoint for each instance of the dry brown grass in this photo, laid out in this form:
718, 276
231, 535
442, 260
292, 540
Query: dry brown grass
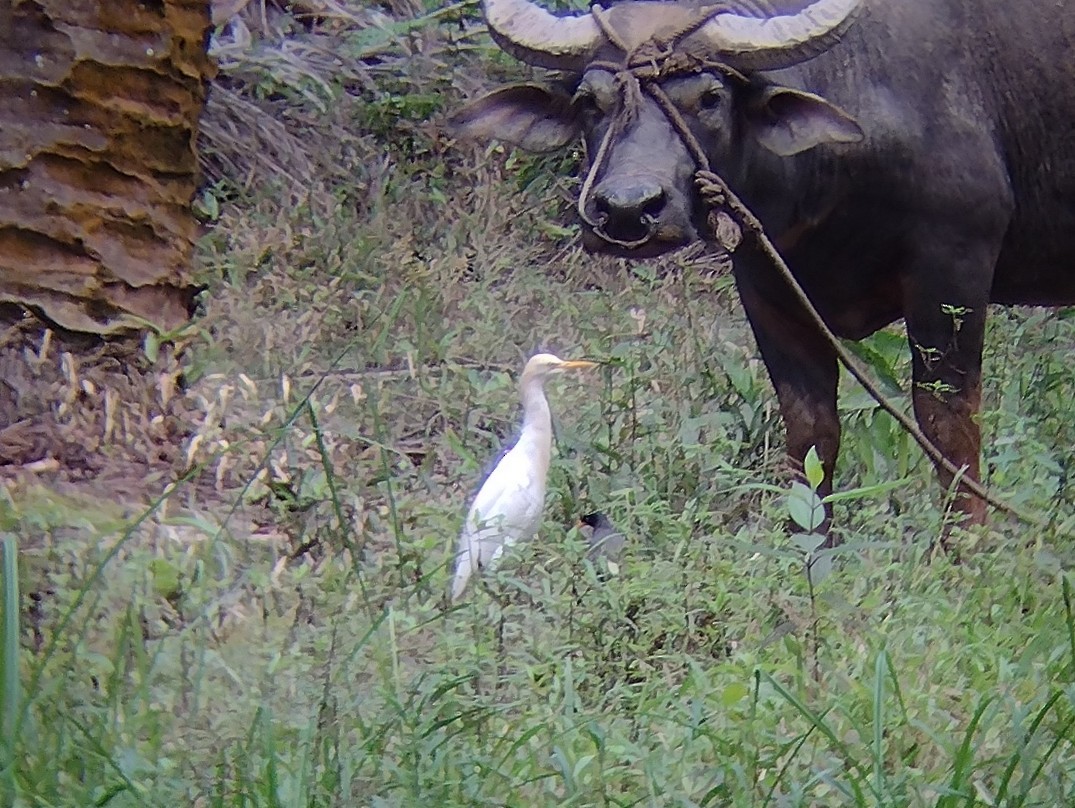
80, 407
282, 112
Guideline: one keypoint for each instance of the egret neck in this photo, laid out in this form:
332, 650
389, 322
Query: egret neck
536, 438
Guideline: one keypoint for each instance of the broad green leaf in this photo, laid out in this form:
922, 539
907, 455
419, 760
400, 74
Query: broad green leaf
867, 490
805, 507
165, 577
807, 542
733, 693
151, 346
212, 206
820, 568
872, 355
815, 471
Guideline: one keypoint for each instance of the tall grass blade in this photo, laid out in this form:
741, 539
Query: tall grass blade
787, 764
326, 466
896, 689
87, 586
961, 766
1065, 586
100, 753
9, 663
1017, 755
1061, 737
879, 668
818, 722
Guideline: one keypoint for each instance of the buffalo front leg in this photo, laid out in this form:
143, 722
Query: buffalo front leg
802, 366
946, 335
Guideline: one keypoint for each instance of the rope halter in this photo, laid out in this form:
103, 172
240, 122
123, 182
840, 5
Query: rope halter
641, 71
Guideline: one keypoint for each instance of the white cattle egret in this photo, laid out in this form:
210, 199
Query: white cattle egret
605, 540
510, 502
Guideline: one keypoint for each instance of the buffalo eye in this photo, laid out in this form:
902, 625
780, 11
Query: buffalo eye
586, 102
710, 99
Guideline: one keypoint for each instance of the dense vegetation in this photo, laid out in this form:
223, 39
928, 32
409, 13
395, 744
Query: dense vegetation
271, 629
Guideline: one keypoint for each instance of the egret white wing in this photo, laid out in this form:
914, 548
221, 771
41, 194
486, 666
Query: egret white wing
507, 508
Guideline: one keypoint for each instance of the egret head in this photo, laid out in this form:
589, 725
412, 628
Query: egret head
541, 366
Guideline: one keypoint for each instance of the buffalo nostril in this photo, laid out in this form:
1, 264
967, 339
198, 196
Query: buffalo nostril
654, 205
629, 210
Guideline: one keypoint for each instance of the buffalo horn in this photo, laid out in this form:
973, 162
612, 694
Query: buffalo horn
768, 43
533, 35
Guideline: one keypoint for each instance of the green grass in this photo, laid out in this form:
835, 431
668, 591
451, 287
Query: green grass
272, 630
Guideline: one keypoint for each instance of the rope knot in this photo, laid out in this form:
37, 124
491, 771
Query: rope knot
678, 62
648, 60
726, 231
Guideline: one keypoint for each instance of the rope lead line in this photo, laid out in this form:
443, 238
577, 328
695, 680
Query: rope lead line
639, 72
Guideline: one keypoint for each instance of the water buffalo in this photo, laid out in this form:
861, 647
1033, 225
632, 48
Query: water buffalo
911, 159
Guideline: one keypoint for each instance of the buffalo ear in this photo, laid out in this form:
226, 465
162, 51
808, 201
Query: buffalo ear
788, 121
529, 116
